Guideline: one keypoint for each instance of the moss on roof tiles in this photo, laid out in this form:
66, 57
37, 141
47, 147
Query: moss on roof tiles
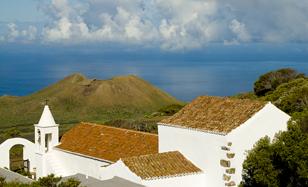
215, 114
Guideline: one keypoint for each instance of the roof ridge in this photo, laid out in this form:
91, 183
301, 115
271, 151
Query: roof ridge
118, 128
232, 98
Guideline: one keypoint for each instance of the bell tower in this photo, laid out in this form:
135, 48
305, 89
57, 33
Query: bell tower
46, 132
46, 137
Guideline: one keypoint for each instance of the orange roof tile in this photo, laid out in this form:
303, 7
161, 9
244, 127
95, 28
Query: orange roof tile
215, 114
159, 165
108, 143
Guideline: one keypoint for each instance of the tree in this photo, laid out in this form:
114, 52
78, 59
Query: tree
258, 167
271, 80
292, 96
302, 119
284, 162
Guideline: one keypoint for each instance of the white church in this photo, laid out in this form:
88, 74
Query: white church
204, 144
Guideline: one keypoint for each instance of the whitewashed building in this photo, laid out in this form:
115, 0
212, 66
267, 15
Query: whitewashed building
215, 133
204, 144
168, 169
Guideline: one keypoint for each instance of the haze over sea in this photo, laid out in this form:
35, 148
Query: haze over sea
184, 76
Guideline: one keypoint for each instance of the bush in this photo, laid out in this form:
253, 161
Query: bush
247, 95
49, 181
11, 133
301, 118
271, 80
292, 96
284, 162
69, 183
2, 181
171, 109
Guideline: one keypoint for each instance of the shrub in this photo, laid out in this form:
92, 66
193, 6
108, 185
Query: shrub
301, 118
292, 96
171, 109
49, 181
284, 162
271, 80
69, 183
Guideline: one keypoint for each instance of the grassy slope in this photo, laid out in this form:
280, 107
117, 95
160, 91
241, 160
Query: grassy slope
77, 98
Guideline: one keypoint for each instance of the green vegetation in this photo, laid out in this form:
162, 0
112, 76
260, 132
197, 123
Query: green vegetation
247, 95
288, 90
170, 110
49, 181
271, 80
291, 97
11, 133
69, 183
77, 98
284, 161
302, 119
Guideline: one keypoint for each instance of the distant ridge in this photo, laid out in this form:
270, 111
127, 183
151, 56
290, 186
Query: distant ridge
77, 98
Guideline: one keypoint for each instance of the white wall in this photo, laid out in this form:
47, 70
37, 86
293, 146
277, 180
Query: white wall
63, 164
203, 149
268, 121
121, 170
196, 180
28, 151
40, 145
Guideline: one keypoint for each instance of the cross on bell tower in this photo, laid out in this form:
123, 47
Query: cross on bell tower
46, 101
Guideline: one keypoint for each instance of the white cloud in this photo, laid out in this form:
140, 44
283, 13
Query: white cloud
30, 33
239, 30
172, 24
15, 34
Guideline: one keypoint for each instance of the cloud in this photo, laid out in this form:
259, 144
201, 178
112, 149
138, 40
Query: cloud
15, 34
239, 30
171, 24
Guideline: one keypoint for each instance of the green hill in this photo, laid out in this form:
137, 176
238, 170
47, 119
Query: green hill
77, 98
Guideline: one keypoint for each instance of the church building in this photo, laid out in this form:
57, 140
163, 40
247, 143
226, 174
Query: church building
204, 144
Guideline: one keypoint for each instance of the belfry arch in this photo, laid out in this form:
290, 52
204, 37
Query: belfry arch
28, 152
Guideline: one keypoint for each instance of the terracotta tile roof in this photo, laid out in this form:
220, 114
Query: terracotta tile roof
215, 114
108, 143
159, 165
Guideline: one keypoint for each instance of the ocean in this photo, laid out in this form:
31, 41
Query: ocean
184, 79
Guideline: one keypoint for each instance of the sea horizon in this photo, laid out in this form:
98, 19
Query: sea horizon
22, 75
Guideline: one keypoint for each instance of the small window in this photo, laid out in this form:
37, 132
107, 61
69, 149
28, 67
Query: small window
47, 141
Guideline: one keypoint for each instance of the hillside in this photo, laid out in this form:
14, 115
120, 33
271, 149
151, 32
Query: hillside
77, 98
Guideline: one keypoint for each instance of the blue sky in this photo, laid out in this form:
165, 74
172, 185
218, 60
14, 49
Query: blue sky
20, 11
162, 25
